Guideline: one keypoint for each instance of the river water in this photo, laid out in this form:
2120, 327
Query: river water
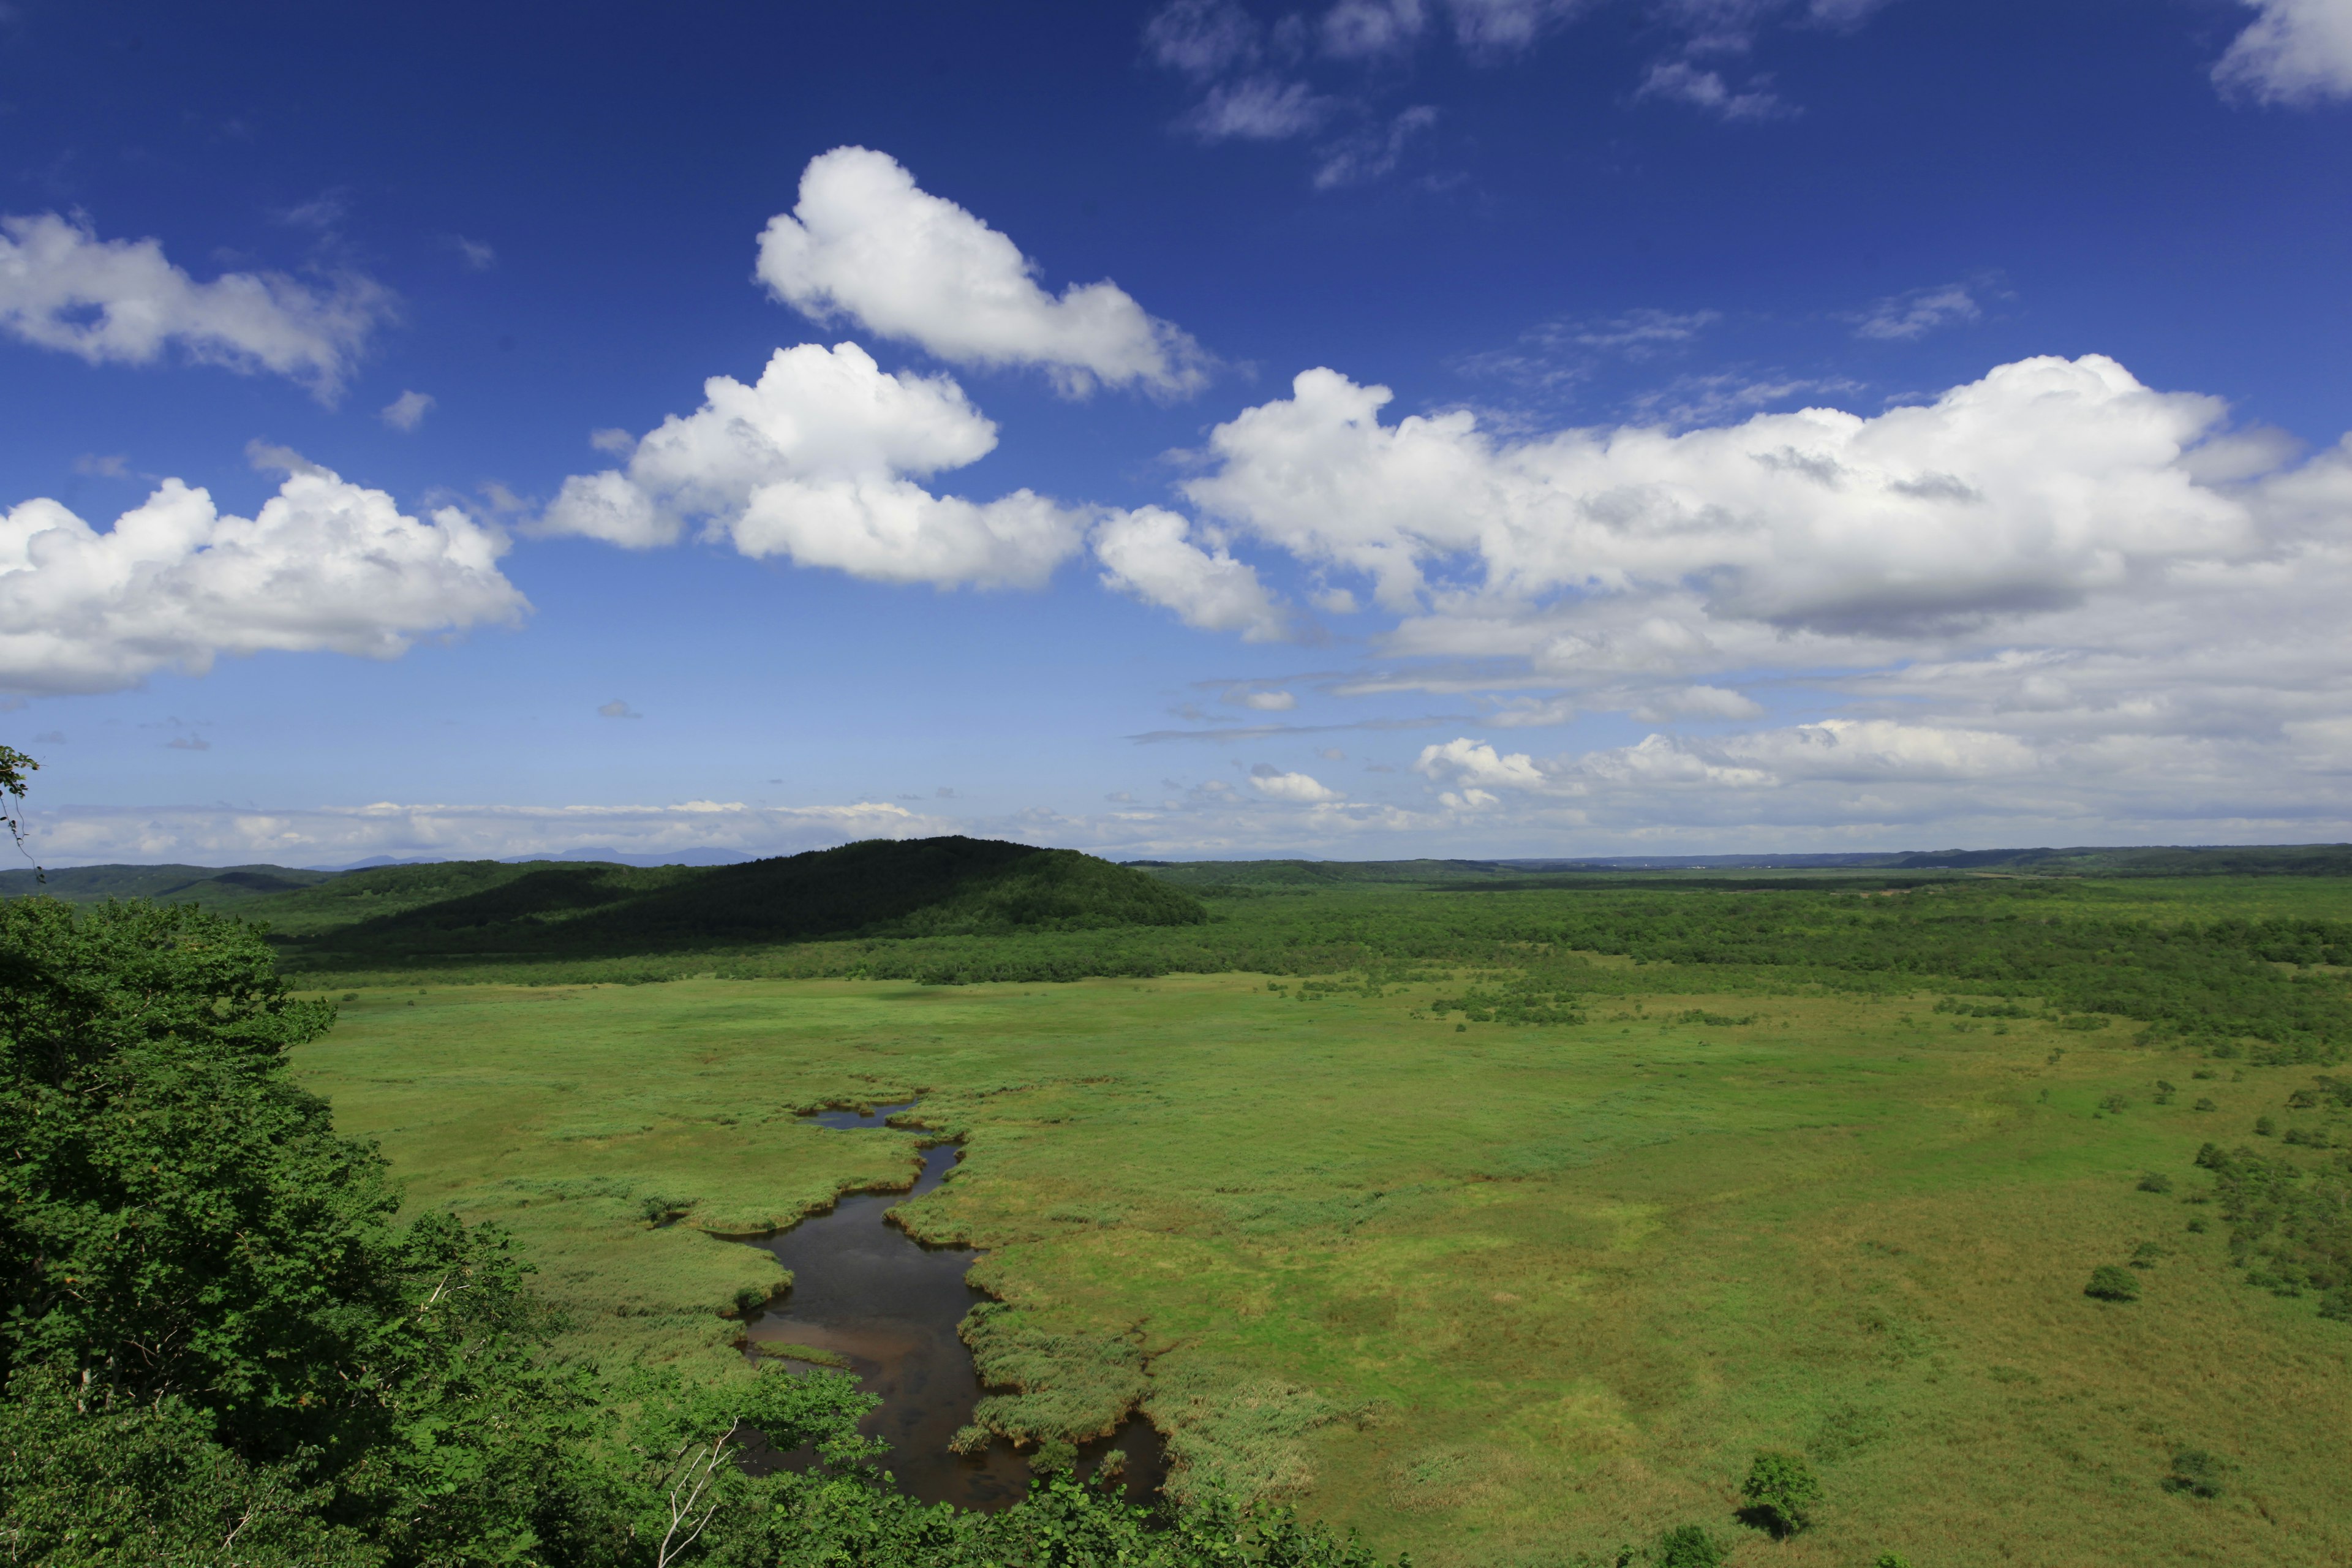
868, 1291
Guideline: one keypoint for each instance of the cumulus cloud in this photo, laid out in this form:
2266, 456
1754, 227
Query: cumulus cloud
1841, 750
2045, 481
811, 463
122, 301
2096, 596
1148, 553
2296, 51
1298, 789
867, 244
323, 566
407, 411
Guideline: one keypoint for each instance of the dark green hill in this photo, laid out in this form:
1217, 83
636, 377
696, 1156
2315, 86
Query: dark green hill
925, 887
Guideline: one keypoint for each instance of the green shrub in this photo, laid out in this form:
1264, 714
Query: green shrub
1688, 1547
2156, 1182
1780, 1491
2110, 1283
2195, 1473
2205, 1105
1891, 1560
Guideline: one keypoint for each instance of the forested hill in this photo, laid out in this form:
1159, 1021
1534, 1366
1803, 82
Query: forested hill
200, 884
925, 887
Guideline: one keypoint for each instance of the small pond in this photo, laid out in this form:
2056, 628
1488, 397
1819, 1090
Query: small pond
868, 1291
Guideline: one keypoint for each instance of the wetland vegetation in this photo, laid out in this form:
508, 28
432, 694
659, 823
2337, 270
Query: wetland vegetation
1498, 1215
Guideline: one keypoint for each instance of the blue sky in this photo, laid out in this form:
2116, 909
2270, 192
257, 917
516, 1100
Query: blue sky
1367, 429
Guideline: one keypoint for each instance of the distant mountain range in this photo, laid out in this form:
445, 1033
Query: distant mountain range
237, 886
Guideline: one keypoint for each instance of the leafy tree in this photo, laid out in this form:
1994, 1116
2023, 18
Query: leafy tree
87, 1479
2111, 1283
187, 1246
1780, 1491
15, 769
1891, 1560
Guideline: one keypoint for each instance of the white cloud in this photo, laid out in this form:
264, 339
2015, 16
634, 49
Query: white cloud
1298, 789
1356, 160
1260, 698
1840, 751
1900, 317
2047, 480
2296, 51
323, 566
1370, 29
1505, 27
477, 256
1258, 109
407, 411
1685, 83
1463, 762
617, 709
2054, 578
1201, 37
1147, 553
1531, 712
864, 242
120, 302
1696, 702
332, 836
811, 463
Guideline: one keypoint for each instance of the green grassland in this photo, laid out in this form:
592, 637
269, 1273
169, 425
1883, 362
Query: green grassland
1504, 1221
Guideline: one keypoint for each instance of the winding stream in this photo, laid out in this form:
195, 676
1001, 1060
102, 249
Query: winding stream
868, 1291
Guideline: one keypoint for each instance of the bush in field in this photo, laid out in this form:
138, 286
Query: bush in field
1891, 1560
2195, 1473
1780, 1491
2156, 1182
2110, 1283
1688, 1547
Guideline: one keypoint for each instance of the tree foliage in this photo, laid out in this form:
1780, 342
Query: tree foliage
1780, 1491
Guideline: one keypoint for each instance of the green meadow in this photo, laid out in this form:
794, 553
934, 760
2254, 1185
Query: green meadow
1417, 1205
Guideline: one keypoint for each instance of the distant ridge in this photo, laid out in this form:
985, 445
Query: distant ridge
922, 887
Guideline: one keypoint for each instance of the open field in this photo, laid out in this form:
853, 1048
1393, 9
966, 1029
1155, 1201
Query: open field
1490, 1294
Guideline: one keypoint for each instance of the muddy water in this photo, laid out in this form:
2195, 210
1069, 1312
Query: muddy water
866, 1290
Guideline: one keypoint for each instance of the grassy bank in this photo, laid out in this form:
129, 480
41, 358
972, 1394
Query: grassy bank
1490, 1293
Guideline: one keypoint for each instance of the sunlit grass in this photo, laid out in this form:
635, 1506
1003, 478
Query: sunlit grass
1490, 1294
